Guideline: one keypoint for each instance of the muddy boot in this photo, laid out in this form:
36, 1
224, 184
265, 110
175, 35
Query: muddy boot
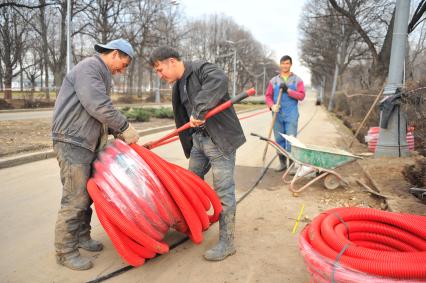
74, 261
90, 245
84, 240
225, 247
283, 163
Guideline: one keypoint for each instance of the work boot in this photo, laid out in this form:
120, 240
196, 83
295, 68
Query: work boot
225, 247
74, 261
283, 163
90, 245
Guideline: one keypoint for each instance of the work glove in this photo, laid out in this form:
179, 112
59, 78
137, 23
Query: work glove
284, 87
130, 135
275, 108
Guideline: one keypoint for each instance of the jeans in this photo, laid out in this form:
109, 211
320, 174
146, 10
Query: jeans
205, 155
285, 126
73, 222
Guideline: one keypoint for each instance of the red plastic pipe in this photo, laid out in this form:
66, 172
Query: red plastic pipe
138, 197
366, 244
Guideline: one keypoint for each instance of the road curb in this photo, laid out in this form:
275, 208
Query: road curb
37, 156
12, 161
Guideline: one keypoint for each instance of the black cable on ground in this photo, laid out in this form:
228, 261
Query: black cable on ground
129, 267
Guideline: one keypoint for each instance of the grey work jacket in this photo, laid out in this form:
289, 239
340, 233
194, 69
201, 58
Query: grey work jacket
207, 87
84, 105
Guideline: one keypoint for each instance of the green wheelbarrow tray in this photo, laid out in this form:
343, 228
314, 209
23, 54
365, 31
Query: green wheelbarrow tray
312, 159
318, 156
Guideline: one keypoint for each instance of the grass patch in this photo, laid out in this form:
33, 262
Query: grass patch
254, 102
144, 114
137, 114
163, 113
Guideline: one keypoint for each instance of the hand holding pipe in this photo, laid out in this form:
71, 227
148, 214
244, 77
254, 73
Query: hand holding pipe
214, 111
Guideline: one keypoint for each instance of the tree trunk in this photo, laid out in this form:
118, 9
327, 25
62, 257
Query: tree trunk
1, 77
140, 78
45, 47
32, 80
46, 80
41, 74
151, 82
58, 76
21, 75
130, 77
8, 83
58, 65
380, 68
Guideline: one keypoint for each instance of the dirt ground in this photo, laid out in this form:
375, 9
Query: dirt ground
19, 136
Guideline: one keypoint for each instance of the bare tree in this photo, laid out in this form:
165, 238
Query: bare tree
12, 34
12, 3
32, 70
371, 19
217, 38
57, 43
45, 46
105, 19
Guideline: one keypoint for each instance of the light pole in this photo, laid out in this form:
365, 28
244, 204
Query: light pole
234, 72
233, 44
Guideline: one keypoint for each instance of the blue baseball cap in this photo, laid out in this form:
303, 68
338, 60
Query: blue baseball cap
119, 44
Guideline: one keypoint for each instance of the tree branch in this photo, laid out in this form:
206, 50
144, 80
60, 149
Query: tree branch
357, 27
17, 5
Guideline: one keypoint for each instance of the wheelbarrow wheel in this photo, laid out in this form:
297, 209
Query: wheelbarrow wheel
331, 182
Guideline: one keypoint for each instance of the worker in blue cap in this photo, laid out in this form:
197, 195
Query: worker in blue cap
82, 119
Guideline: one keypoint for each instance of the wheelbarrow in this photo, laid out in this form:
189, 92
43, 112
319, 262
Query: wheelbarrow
312, 159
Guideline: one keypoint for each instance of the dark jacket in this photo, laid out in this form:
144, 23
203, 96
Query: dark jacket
83, 108
207, 87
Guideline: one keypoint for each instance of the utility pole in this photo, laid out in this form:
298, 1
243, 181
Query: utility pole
392, 141
69, 54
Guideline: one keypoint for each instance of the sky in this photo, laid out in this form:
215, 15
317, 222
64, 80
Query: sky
273, 23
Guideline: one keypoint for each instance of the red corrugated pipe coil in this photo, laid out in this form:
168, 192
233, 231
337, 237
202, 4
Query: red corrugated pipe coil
365, 245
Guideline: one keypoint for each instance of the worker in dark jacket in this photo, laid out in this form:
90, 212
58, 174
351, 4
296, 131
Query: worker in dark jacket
199, 87
82, 117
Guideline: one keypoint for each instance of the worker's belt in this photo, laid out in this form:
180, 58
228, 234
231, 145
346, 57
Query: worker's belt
201, 130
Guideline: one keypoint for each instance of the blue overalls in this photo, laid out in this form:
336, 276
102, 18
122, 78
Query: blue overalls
288, 116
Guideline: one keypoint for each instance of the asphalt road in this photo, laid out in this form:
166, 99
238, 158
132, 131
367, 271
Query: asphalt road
26, 115
30, 196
